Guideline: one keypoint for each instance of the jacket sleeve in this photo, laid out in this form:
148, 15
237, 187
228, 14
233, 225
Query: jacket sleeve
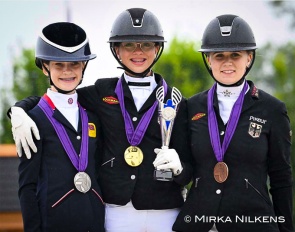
87, 97
26, 104
29, 170
279, 166
180, 142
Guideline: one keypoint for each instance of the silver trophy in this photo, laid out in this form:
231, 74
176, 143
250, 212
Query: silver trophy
167, 113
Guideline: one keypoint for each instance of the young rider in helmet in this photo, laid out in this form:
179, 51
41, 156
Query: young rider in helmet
126, 107
240, 136
58, 188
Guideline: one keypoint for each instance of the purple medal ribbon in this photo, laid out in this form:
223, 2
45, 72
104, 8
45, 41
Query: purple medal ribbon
80, 163
231, 126
135, 136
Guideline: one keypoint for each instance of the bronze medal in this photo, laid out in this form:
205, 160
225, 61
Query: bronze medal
220, 172
133, 156
82, 182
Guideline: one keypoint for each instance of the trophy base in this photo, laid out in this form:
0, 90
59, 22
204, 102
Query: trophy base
163, 175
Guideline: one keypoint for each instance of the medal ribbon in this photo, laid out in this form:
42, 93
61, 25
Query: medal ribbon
80, 163
135, 136
231, 126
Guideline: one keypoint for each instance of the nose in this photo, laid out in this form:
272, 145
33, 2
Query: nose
138, 48
67, 68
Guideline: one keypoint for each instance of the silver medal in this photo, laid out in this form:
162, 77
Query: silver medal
82, 182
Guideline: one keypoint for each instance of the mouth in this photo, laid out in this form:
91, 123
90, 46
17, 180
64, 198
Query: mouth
69, 79
138, 61
227, 71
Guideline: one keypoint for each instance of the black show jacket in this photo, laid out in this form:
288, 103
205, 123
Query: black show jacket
48, 197
120, 182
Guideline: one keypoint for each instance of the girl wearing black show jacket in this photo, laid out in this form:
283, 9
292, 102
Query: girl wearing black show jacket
240, 137
58, 187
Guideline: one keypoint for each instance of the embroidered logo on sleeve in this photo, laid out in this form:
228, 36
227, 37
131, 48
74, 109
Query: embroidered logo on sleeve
198, 116
91, 130
111, 100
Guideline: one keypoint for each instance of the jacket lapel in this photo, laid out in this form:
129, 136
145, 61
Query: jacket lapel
60, 118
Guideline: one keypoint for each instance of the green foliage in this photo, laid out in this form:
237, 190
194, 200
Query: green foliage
28, 80
182, 66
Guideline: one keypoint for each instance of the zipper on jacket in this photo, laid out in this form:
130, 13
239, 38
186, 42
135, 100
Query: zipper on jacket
111, 160
256, 190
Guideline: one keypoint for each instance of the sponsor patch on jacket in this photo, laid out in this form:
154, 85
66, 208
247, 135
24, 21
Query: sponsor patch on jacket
255, 129
198, 116
91, 130
111, 100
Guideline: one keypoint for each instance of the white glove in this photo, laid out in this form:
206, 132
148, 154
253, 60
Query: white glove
168, 159
22, 125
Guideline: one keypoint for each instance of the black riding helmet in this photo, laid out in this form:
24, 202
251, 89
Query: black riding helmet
65, 42
136, 25
228, 33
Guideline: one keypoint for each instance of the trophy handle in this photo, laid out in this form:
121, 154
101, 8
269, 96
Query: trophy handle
176, 96
160, 94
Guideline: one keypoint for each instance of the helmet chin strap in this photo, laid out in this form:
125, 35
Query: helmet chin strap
61, 90
239, 82
142, 74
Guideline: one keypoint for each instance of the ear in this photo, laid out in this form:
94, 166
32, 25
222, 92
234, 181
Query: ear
208, 58
44, 70
157, 48
117, 52
249, 59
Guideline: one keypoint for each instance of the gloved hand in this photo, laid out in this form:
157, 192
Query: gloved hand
22, 125
168, 159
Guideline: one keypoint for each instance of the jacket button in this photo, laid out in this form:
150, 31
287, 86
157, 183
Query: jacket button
222, 133
134, 119
218, 191
132, 177
78, 137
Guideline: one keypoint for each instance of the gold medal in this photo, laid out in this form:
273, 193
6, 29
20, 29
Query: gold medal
133, 156
220, 172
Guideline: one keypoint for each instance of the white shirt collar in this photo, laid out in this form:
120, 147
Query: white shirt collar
229, 93
63, 100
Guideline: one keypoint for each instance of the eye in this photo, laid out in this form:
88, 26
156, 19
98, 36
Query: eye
58, 64
218, 56
128, 45
147, 45
235, 55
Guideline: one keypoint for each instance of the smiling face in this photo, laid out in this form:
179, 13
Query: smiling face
138, 60
65, 75
229, 67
